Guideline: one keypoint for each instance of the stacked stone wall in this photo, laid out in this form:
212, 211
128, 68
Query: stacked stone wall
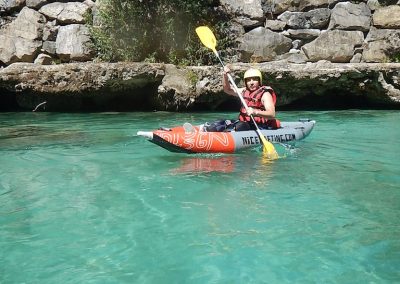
48, 32
315, 30
44, 32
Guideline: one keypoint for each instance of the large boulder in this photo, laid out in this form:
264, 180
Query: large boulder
36, 4
262, 44
250, 8
373, 4
249, 13
82, 86
315, 19
349, 16
280, 6
21, 40
312, 4
387, 17
275, 25
73, 43
66, 13
335, 46
7, 6
382, 44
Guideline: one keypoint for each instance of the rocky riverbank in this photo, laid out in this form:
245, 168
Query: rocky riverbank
314, 53
144, 86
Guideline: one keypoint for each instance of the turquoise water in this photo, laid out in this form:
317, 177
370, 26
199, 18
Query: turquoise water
84, 200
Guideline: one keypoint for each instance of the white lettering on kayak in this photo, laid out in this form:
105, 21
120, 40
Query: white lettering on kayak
206, 140
254, 140
196, 140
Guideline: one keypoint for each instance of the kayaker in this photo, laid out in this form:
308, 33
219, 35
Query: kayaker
259, 99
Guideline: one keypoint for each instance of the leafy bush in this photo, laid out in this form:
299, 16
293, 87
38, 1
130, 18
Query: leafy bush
395, 58
156, 30
387, 2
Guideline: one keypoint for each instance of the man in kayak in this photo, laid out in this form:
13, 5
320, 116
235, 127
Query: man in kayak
259, 99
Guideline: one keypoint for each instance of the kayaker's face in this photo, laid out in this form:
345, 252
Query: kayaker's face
252, 83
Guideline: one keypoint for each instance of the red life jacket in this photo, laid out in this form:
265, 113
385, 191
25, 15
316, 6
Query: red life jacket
253, 99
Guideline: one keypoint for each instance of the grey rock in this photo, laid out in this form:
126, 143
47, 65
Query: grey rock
356, 58
381, 45
280, 6
248, 23
294, 56
65, 13
74, 86
11, 5
275, 25
306, 34
315, 19
36, 4
312, 4
49, 47
21, 39
251, 9
373, 4
73, 43
176, 84
334, 46
349, 16
154, 86
261, 44
387, 17
50, 31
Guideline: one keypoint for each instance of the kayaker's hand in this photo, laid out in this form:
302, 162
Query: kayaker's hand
251, 111
226, 70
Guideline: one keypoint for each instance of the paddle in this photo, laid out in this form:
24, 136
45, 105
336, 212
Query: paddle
208, 39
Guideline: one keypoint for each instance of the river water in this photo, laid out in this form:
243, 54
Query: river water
85, 200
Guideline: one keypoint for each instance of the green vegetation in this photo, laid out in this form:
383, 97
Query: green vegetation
156, 30
387, 2
192, 77
395, 58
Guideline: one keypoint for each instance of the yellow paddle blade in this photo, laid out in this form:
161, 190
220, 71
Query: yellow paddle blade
207, 37
269, 149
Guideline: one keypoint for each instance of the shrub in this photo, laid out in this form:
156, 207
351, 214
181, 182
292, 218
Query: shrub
387, 2
156, 30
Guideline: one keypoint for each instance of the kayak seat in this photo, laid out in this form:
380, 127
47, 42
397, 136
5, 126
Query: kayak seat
219, 126
229, 125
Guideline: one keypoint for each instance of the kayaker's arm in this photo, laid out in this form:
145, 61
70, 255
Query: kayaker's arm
269, 106
225, 83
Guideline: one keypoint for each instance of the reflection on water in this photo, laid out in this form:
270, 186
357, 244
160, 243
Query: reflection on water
229, 163
222, 164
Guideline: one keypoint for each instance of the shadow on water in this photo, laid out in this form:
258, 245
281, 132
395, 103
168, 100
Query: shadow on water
28, 136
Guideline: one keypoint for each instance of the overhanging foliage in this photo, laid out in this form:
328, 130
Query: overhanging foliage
155, 30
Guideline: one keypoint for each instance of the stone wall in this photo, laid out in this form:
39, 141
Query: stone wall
45, 31
314, 30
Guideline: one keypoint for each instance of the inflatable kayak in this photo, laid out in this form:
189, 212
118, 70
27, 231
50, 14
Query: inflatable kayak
192, 139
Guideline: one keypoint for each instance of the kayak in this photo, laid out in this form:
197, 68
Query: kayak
193, 139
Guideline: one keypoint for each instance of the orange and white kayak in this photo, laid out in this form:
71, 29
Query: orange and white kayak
192, 139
